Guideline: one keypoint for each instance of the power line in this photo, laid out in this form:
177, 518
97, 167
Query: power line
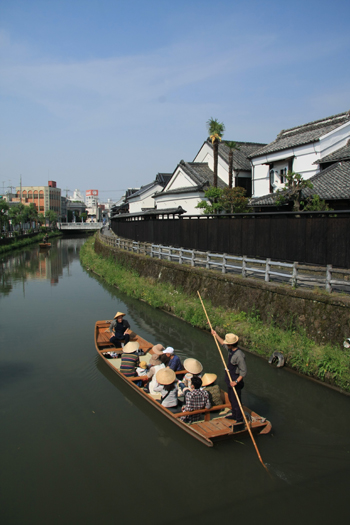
105, 191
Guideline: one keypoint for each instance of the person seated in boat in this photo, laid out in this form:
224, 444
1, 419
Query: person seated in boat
130, 359
162, 362
46, 238
196, 399
208, 384
238, 370
193, 368
142, 369
175, 362
167, 386
120, 327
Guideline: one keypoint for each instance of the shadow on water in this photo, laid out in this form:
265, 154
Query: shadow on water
11, 373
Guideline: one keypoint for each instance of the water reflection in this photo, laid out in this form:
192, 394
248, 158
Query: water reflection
78, 445
37, 264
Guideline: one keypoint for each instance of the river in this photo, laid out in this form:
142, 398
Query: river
77, 447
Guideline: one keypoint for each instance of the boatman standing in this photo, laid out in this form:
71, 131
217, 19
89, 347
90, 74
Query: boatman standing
238, 370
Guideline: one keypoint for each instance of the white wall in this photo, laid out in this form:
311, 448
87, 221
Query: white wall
261, 180
187, 201
334, 140
145, 200
205, 154
179, 180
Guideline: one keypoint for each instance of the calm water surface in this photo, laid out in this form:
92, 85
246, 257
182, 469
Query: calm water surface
77, 447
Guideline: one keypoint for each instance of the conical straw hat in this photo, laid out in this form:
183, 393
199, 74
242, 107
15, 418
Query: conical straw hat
119, 314
193, 366
165, 376
208, 379
131, 347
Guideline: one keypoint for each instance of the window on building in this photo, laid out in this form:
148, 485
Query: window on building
283, 174
272, 179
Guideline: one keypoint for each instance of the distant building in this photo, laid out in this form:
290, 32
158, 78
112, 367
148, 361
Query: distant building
186, 187
44, 197
64, 216
91, 198
77, 196
74, 210
142, 199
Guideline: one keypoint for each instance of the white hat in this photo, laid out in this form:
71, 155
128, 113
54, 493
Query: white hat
168, 350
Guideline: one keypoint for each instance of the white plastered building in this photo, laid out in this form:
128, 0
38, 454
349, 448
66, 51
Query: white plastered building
297, 149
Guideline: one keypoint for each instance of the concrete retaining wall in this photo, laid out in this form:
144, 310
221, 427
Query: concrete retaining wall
326, 318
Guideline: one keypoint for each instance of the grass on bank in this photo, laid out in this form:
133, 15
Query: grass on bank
24, 242
327, 363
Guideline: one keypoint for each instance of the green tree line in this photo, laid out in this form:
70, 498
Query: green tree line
20, 214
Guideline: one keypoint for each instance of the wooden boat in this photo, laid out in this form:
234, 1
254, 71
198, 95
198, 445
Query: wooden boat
44, 245
213, 425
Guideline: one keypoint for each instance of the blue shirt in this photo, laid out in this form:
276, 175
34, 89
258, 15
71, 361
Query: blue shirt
175, 363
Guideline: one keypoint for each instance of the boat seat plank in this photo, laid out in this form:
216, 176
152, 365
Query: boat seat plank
204, 429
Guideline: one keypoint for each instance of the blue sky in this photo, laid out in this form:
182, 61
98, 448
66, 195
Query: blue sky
105, 94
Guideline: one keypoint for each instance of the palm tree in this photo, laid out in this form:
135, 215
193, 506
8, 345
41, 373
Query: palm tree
216, 130
232, 145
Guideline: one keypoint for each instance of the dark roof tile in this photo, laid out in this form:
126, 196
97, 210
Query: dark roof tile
304, 134
332, 183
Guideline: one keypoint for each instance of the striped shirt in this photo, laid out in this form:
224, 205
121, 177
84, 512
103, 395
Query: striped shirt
129, 364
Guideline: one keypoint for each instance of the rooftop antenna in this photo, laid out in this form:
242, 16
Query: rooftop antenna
66, 190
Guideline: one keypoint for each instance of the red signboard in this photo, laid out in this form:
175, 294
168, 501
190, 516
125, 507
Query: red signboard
93, 193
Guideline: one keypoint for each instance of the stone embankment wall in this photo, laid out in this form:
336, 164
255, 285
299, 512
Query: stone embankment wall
325, 317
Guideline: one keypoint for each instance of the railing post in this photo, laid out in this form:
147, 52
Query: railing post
160, 252
151, 254
207, 264
192, 258
267, 270
295, 274
244, 265
329, 278
180, 256
223, 263
169, 254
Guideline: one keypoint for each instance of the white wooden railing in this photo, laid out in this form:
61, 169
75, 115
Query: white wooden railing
290, 273
80, 226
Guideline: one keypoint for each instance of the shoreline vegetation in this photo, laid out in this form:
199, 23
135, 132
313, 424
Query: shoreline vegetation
327, 363
21, 243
